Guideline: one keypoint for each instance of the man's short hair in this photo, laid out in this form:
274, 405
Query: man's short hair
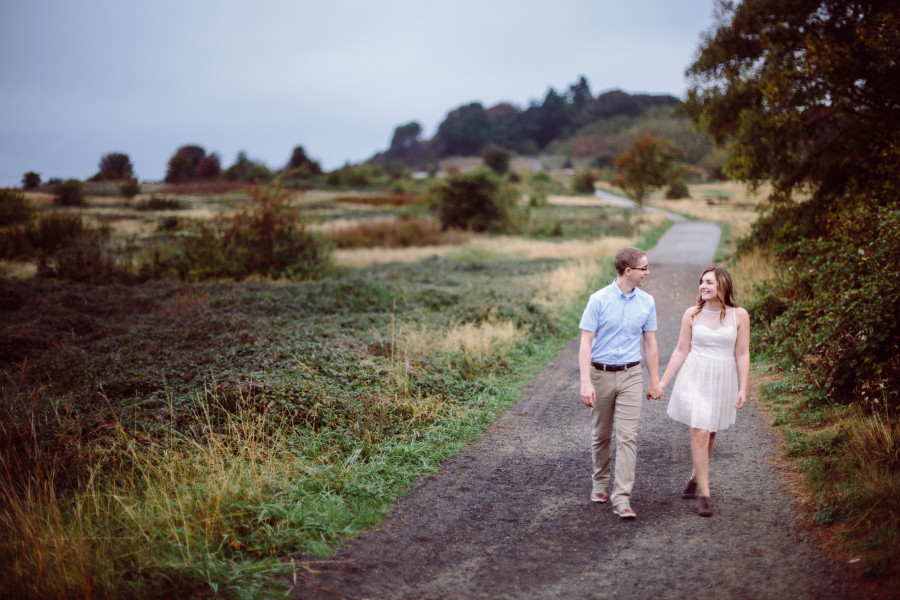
629, 256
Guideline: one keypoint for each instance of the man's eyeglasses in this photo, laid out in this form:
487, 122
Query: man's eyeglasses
647, 268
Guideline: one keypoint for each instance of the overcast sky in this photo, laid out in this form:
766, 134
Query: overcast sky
80, 79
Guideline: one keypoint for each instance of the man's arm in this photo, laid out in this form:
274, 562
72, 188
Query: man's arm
584, 367
651, 358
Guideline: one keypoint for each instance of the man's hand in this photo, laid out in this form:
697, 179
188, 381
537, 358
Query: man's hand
587, 393
655, 391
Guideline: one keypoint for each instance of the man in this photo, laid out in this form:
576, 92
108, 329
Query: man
617, 321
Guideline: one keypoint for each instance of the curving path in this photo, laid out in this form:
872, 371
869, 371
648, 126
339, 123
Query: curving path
511, 518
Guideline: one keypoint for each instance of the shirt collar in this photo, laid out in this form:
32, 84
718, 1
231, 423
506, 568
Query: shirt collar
623, 294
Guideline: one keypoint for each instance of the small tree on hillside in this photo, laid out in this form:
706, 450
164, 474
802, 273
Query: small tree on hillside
31, 181
115, 166
209, 167
299, 159
646, 166
183, 164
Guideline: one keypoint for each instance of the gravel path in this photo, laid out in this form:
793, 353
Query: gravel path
511, 518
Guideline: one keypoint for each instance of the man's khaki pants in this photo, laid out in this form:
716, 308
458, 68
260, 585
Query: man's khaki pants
618, 400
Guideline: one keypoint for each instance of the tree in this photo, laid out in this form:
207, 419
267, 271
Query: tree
647, 165
183, 164
809, 91
465, 131
299, 160
115, 166
208, 167
31, 181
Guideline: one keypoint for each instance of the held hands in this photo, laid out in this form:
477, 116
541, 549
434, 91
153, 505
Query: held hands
655, 391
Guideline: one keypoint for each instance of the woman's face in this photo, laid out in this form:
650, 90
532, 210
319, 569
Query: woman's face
709, 287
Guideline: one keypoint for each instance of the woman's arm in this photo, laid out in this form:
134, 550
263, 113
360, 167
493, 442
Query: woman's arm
681, 349
742, 356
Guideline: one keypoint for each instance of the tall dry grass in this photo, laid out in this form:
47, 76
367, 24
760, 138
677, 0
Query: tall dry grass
173, 510
749, 268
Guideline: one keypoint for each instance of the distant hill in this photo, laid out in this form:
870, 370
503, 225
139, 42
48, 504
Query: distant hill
586, 130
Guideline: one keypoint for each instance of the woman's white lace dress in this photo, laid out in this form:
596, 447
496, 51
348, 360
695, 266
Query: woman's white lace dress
707, 384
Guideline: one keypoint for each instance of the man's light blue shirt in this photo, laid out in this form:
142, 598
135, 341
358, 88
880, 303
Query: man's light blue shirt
618, 321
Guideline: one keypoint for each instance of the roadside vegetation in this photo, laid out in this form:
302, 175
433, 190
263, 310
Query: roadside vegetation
198, 409
806, 102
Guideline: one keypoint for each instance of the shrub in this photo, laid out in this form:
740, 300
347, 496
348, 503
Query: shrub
477, 201
829, 312
266, 237
15, 207
130, 188
583, 182
89, 257
356, 176
31, 181
678, 190
496, 159
55, 231
69, 193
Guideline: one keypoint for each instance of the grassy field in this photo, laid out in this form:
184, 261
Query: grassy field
173, 439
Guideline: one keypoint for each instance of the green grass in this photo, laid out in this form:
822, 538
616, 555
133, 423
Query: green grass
171, 439
851, 462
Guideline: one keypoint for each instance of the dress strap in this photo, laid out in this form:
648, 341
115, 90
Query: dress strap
734, 316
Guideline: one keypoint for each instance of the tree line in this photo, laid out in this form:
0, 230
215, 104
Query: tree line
470, 129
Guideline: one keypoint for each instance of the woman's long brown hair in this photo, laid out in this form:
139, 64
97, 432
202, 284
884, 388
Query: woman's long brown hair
724, 290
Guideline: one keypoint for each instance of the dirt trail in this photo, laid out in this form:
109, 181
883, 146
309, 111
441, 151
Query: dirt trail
511, 518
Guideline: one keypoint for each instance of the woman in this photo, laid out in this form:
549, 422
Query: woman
714, 349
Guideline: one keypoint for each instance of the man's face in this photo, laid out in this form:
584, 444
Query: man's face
636, 274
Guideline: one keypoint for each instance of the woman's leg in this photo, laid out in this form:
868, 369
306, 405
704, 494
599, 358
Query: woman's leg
701, 446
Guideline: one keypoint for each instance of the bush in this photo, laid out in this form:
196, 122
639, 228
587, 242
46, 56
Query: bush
88, 258
266, 237
15, 208
583, 182
130, 188
678, 190
496, 159
830, 311
69, 193
477, 201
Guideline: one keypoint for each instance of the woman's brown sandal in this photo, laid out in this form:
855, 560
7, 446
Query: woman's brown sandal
690, 490
704, 509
